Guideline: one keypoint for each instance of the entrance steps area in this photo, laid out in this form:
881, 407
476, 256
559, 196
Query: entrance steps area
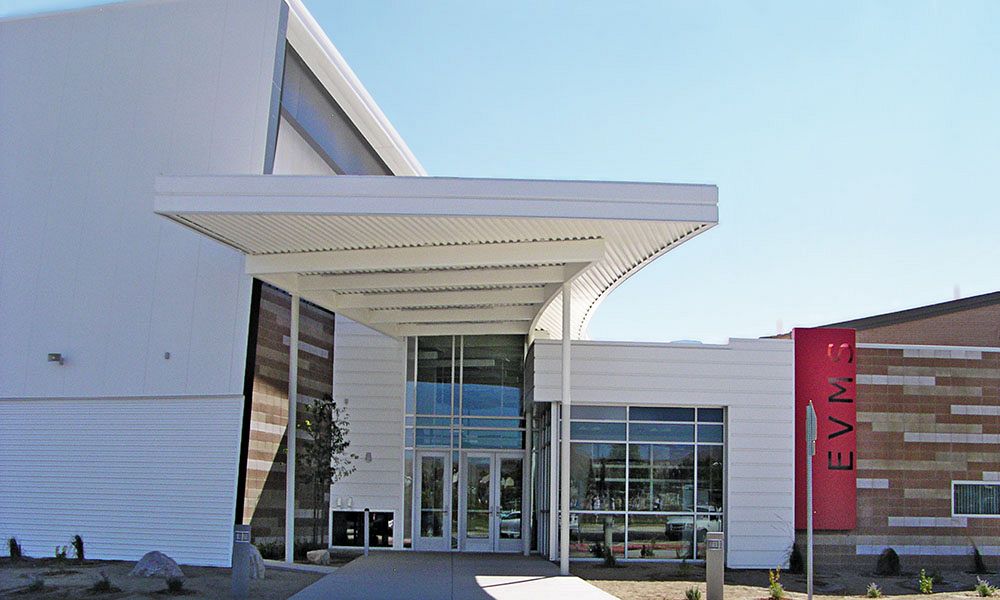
449, 576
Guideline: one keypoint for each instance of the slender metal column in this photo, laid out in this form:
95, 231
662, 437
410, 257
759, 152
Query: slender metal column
564, 446
553, 480
527, 482
293, 394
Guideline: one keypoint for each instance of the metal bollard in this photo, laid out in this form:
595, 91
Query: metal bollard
367, 524
715, 564
242, 559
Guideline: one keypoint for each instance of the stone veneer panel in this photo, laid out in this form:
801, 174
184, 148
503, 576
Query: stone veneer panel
926, 417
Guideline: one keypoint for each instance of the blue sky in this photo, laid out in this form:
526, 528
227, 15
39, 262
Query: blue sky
856, 145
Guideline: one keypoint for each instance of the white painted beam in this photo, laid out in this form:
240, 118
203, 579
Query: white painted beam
519, 328
429, 257
485, 314
339, 302
357, 282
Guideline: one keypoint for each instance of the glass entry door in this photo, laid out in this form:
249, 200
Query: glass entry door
433, 501
491, 493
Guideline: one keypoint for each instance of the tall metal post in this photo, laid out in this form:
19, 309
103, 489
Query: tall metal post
810, 452
553, 480
293, 394
567, 292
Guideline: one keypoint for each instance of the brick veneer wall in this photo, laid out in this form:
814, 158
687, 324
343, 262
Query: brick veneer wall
971, 327
264, 504
926, 417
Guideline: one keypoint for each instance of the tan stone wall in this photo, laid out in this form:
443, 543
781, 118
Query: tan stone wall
914, 439
264, 504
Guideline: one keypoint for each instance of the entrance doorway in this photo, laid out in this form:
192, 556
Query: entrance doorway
490, 496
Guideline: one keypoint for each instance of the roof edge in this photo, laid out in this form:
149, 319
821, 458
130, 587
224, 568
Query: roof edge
329, 66
921, 312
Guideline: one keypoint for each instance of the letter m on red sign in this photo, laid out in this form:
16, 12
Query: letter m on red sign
826, 374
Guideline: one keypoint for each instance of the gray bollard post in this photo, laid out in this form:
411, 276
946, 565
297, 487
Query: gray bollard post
715, 564
367, 522
242, 562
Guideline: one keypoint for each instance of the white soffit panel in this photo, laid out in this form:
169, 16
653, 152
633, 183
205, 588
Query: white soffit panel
438, 255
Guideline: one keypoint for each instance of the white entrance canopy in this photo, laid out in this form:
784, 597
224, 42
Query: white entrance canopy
438, 255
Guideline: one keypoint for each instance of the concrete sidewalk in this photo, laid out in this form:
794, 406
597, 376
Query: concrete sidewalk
452, 576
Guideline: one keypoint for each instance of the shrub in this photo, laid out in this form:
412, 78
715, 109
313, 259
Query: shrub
271, 550
103, 585
646, 552
61, 552
609, 557
175, 585
692, 593
874, 591
795, 562
925, 583
978, 566
15, 548
776, 592
888, 563
983, 588
37, 584
77, 544
937, 577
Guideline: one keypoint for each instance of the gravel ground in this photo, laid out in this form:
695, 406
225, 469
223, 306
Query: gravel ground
69, 579
664, 582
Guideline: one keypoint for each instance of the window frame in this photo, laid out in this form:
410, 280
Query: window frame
977, 483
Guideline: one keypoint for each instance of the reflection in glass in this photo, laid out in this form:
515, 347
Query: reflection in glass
492, 375
510, 498
652, 413
660, 432
587, 430
590, 534
710, 477
408, 499
661, 478
703, 525
434, 368
709, 434
660, 536
597, 476
477, 497
431, 496
486, 438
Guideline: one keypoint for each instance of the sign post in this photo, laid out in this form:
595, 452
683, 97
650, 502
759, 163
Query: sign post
810, 452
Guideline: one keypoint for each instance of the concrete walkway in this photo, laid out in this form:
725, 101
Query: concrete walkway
451, 576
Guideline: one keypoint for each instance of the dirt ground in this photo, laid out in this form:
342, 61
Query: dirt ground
664, 582
69, 579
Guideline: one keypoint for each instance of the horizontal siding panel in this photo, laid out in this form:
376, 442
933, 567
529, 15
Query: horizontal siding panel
157, 474
368, 369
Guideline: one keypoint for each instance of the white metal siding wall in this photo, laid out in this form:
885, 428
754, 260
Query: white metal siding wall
95, 104
753, 379
369, 372
129, 475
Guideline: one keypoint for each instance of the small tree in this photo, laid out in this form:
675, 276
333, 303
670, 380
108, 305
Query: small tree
324, 458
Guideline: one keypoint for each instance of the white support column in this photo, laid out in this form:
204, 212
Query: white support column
293, 394
567, 292
527, 498
553, 480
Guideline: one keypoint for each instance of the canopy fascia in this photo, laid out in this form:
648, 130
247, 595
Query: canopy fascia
429, 255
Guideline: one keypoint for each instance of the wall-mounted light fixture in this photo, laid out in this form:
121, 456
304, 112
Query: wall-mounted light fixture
57, 357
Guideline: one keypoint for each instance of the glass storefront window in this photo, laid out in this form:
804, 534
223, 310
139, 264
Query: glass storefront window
710, 478
590, 534
434, 375
597, 476
660, 536
662, 467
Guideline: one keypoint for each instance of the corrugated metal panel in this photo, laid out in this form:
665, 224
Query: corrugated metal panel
630, 245
751, 378
368, 372
129, 475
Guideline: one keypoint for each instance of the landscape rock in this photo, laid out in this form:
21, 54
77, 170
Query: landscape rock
157, 564
318, 557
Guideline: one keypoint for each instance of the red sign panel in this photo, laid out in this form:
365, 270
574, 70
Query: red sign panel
825, 374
